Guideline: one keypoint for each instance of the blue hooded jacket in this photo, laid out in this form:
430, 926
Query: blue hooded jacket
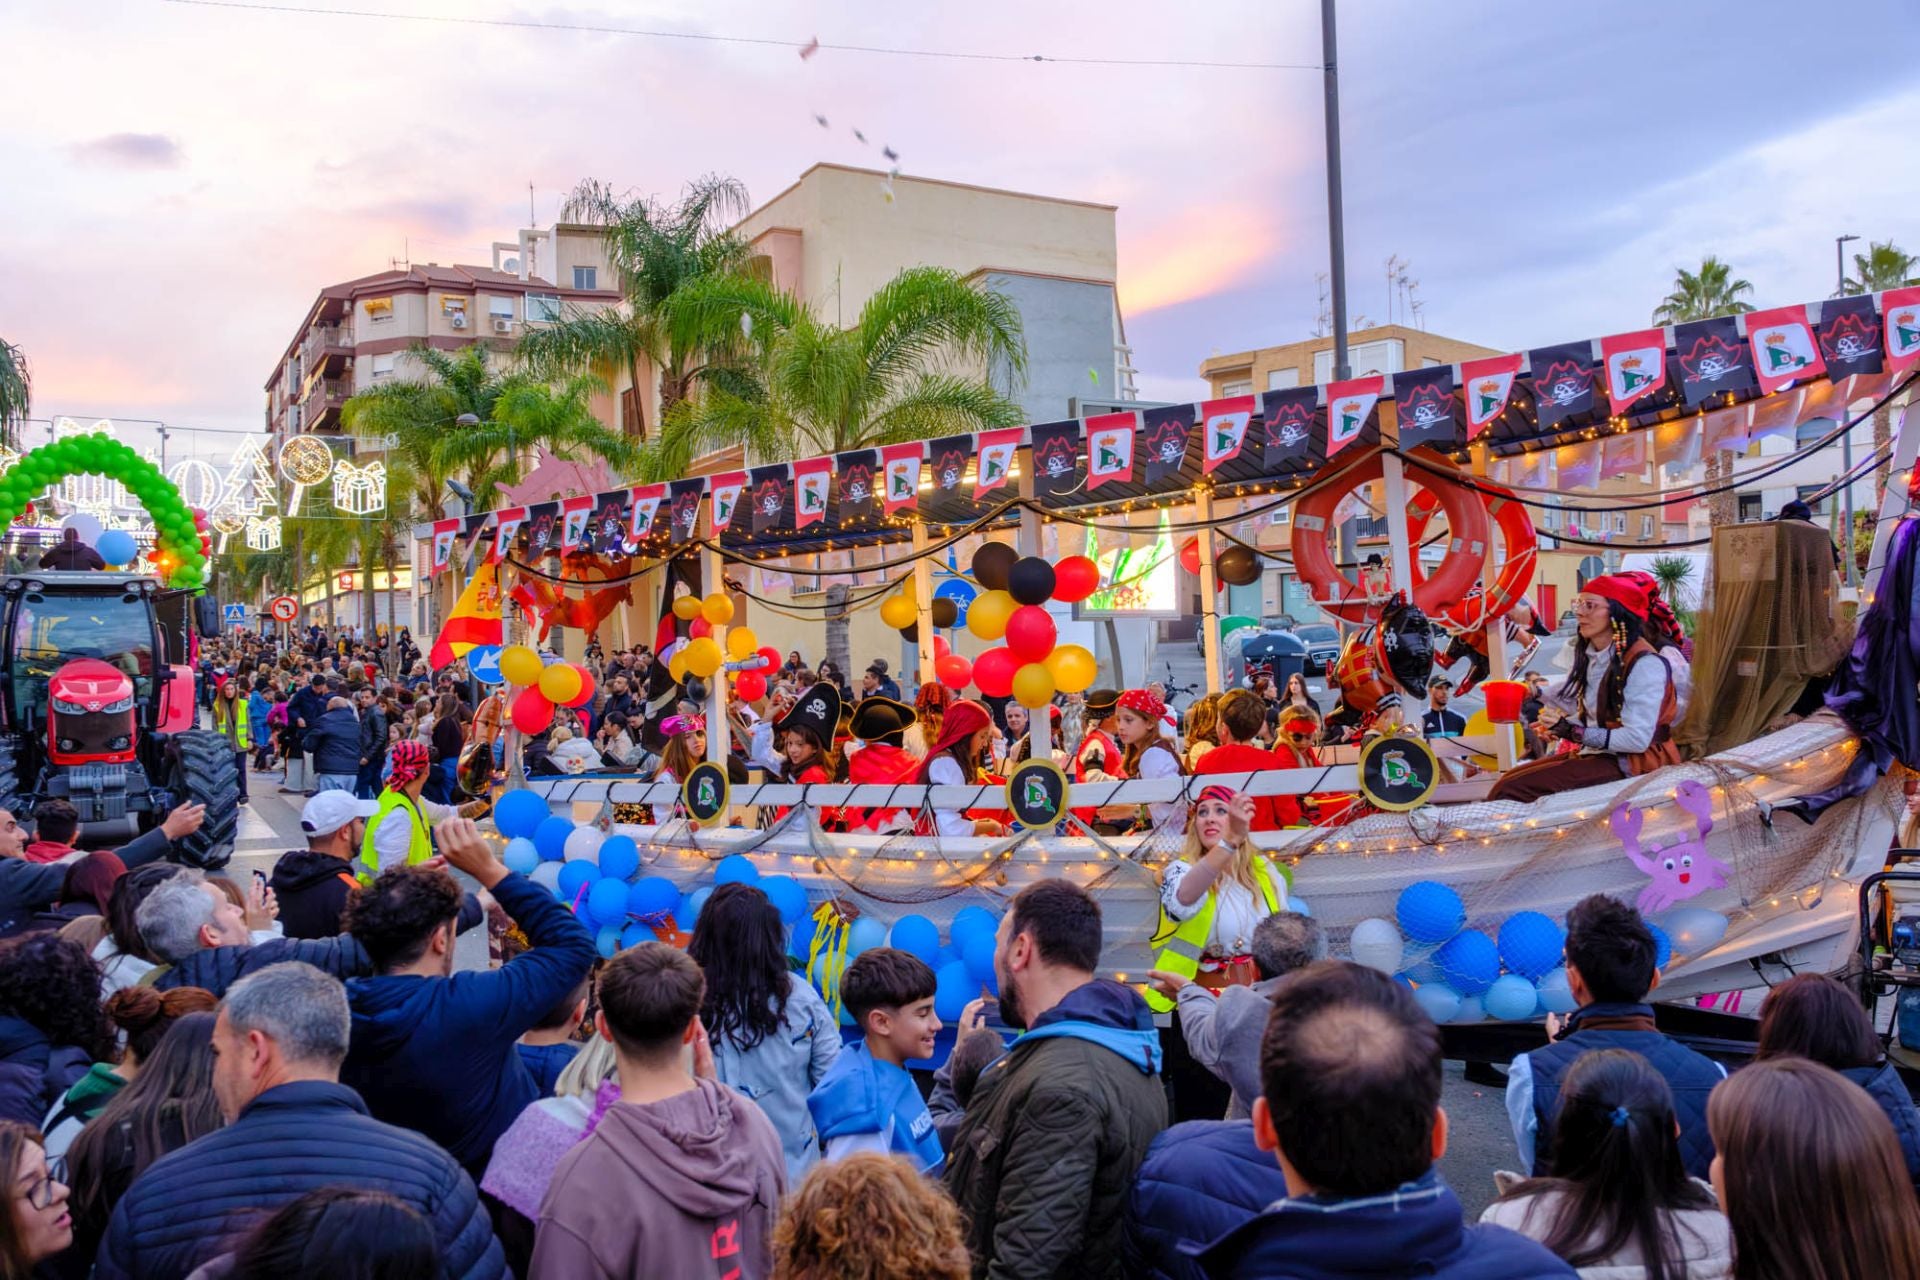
1200, 1180
1103, 1013
861, 1094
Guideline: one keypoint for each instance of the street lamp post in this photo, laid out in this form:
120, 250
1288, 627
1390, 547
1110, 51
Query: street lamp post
1846, 437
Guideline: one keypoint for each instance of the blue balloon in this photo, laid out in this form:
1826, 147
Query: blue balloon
962, 593
1555, 995
1426, 972
116, 546
1430, 912
521, 856
1299, 906
1471, 1010
953, 988
550, 838
619, 857
1511, 998
519, 814
607, 942
690, 905
736, 868
916, 935
1693, 929
1470, 962
968, 921
575, 876
1662, 945
607, 902
1530, 944
865, 934
978, 955
651, 898
1440, 1001
800, 943
635, 934
945, 955
785, 893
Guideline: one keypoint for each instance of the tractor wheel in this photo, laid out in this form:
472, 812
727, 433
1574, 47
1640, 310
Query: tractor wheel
13, 799
204, 774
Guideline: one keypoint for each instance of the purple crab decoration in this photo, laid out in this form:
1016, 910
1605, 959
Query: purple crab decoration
1682, 868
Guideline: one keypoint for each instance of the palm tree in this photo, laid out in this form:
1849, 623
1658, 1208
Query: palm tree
1882, 266
1699, 295
16, 393
1674, 573
658, 248
909, 368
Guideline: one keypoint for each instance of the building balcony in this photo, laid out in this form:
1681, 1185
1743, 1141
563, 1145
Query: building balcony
320, 410
326, 353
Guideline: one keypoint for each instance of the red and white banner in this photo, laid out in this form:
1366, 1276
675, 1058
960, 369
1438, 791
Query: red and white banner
1784, 349
444, 533
726, 496
900, 464
1576, 465
811, 479
1636, 365
575, 514
1110, 447
993, 464
506, 526
1349, 405
1223, 427
1624, 453
1489, 388
1901, 308
646, 501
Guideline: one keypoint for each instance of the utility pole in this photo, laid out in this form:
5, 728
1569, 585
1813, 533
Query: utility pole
1336, 233
1846, 437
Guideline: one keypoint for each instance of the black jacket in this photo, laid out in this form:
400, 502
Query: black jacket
217, 968
373, 735
312, 889
306, 705
34, 1072
1884, 1085
334, 742
1201, 1180
188, 1206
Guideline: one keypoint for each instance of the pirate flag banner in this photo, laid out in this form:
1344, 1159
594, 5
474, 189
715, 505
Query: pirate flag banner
900, 467
575, 515
1349, 405
1223, 429
995, 462
1623, 453
1563, 378
1636, 366
1423, 399
606, 532
812, 477
543, 530
1902, 310
1713, 360
1850, 337
949, 456
472, 531
1286, 425
726, 498
646, 504
1676, 446
1056, 459
1576, 466
767, 487
1784, 349
444, 532
683, 509
1489, 385
506, 526
1166, 430
1110, 447
856, 485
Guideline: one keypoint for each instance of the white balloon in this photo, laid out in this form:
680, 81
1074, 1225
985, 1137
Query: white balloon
1693, 929
1377, 944
547, 876
584, 844
87, 526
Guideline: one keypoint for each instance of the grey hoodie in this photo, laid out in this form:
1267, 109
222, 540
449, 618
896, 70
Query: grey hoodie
689, 1187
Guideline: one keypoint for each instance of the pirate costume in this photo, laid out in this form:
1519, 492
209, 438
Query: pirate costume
964, 719
816, 715
881, 724
1157, 760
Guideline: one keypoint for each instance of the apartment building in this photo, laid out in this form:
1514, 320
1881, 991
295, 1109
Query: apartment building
1387, 348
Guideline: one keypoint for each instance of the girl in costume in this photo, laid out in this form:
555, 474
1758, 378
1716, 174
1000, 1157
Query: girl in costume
880, 724
1146, 753
1668, 640
686, 747
954, 760
805, 736
1213, 895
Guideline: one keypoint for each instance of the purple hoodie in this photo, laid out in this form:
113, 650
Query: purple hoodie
687, 1187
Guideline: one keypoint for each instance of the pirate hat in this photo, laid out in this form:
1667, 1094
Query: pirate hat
879, 719
1101, 702
817, 711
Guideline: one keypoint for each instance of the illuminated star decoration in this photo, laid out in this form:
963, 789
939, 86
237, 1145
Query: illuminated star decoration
263, 533
360, 491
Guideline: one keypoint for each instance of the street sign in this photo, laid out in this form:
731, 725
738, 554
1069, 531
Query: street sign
483, 664
285, 608
233, 615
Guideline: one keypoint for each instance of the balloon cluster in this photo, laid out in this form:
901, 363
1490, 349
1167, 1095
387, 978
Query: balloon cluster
703, 657
962, 967
1029, 664
180, 542
1234, 565
545, 683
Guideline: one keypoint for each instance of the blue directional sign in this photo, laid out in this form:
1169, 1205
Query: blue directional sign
484, 664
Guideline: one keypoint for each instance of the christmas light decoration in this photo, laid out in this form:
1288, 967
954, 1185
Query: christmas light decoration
360, 491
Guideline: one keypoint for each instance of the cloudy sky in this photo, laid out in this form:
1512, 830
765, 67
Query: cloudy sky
185, 176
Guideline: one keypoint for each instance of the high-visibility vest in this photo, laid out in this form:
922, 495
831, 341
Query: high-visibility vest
1187, 939
240, 739
419, 843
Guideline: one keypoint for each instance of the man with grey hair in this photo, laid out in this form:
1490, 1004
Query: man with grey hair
334, 742
202, 940
1223, 1031
292, 1128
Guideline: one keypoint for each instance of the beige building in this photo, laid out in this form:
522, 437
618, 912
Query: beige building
1389, 348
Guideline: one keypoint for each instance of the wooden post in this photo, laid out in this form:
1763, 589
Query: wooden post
1209, 587
923, 601
1039, 723
1401, 568
711, 569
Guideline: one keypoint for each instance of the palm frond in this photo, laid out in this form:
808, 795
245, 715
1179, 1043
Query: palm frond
939, 404
927, 312
16, 393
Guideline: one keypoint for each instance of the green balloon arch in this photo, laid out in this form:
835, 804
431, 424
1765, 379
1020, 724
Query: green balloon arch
175, 534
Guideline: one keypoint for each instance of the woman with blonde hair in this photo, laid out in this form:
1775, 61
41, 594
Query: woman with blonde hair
686, 747
1213, 895
1200, 730
530, 1150
869, 1217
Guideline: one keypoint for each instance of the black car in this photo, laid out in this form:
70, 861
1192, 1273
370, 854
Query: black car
1323, 646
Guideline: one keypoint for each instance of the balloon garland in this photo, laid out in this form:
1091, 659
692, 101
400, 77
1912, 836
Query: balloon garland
179, 554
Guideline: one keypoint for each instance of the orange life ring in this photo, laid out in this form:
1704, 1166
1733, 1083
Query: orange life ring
1511, 584
1342, 596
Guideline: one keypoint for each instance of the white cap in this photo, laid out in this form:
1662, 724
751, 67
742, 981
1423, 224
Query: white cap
329, 811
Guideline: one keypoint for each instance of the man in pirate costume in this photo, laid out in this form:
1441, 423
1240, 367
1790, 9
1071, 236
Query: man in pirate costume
880, 724
1617, 705
1097, 759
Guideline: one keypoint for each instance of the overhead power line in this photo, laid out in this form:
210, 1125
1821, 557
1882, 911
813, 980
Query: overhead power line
768, 41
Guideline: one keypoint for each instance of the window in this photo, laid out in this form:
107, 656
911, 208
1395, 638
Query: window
1646, 527
1238, 387
1749, 507
1819, 506
1282, 379
383, 366
543, 307
1619, 522
583, 278
1428, 362
378, 309
451, 306
1368, 357
500, 308
293, 418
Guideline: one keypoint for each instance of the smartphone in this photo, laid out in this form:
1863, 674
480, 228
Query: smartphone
260, 877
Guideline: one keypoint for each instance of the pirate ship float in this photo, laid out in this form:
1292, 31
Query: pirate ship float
1748, 857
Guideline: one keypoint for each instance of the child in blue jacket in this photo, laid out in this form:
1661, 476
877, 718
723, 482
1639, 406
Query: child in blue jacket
868, 1101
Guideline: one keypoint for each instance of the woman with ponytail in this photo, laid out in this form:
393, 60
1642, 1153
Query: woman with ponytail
140, 1016
1619, 1204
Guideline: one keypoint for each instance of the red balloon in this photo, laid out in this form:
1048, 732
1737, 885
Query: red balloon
532, 713
1030, 634
993, 672
772, 655
1190, 555
940, 647
699, 627
749, 686
954, 671
585, 695
1076, 578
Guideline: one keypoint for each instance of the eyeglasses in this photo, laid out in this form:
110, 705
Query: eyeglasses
1588, 606
40, 1194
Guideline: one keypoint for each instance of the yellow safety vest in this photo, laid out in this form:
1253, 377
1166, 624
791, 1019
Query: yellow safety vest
419, 844
240, 739
1187, 939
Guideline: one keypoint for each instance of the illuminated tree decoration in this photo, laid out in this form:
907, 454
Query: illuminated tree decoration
250, 489
304, 462
263, 533
360, 491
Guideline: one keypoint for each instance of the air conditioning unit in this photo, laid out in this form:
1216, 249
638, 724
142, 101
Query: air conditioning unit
459, 320
502, 324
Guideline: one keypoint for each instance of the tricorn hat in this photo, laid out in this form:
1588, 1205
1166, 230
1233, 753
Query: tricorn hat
817, 710
879, 719
1101, 702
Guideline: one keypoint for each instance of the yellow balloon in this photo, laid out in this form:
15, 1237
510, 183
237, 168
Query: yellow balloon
717, 609
560, 683
520, 665
987, 615
742, 643
704, 657
899, 612
1073, 668
686, 608
1033, 685
677, 665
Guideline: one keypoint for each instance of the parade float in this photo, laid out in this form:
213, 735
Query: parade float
1747, 858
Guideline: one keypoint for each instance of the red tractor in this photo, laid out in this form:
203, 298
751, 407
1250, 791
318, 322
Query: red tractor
99, 706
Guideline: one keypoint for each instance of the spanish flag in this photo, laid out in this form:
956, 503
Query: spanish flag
475, 619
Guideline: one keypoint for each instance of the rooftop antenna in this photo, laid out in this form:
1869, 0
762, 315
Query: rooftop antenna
531, 216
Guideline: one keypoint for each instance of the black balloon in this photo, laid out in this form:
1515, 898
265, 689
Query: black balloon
695, 689
911, 633
992, 563
1031, 580
945, 612
1237, 566
1403, 647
